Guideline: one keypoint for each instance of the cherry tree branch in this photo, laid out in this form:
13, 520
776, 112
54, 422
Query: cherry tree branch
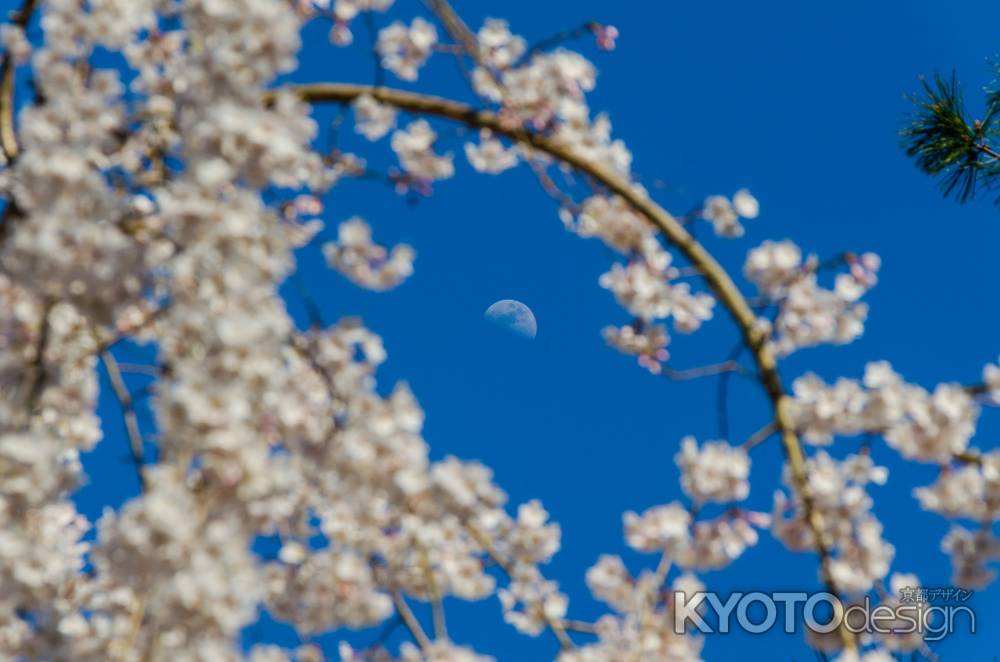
969, 457
455, 26
716, 277
8, 138
128, 412
410, 621
760, 436
35, 378
141, 369
977, 389
561, 38
436, 600
580, 626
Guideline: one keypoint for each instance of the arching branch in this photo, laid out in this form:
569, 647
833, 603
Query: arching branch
8, 138
716, 277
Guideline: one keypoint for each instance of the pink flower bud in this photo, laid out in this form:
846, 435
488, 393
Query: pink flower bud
606, 35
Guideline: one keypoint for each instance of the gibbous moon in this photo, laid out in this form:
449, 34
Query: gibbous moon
514, 316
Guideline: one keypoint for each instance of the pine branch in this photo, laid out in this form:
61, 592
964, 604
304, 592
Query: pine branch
945, 143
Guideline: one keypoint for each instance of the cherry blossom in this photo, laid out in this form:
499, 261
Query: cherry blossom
404, 49
648, 344
415, 148
927, 426
498, 47
970, 552
971, 491
663, 528
991, 378
490, 155
725, 214
365, 263
373, 119
606, 36
809, 314
839, 493
647, 293
714, 472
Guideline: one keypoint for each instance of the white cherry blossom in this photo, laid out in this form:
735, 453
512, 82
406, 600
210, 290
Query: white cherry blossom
662, 528
365, 263
490, 155
371, 118
415, 148
991, 379
714, 472
498, 47
404, 49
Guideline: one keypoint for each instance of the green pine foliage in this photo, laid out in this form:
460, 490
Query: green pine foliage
946, 144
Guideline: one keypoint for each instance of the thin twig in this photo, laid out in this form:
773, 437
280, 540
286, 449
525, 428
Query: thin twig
450, 49
663, 568
437, 604
11, 212
128, 412
580, 626
705, 371
410, 621
437, 614
561, 38
987, 150
372, 28
109, 340
35, 378
455, 26
760, 436
467, 43
722, 396
551, 188
970, 456
977, 389
384, 634
686, 272
312, 307
303, 345
141, 369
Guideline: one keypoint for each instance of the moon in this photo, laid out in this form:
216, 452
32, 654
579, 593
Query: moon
513, 316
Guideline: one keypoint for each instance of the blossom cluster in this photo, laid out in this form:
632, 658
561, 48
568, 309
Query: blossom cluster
642, 620
261, 430
365, 263
921, 425
405, 48
839, 495
807, 313
724, 214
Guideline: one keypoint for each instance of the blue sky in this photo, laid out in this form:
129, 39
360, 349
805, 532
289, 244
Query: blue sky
800, 102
